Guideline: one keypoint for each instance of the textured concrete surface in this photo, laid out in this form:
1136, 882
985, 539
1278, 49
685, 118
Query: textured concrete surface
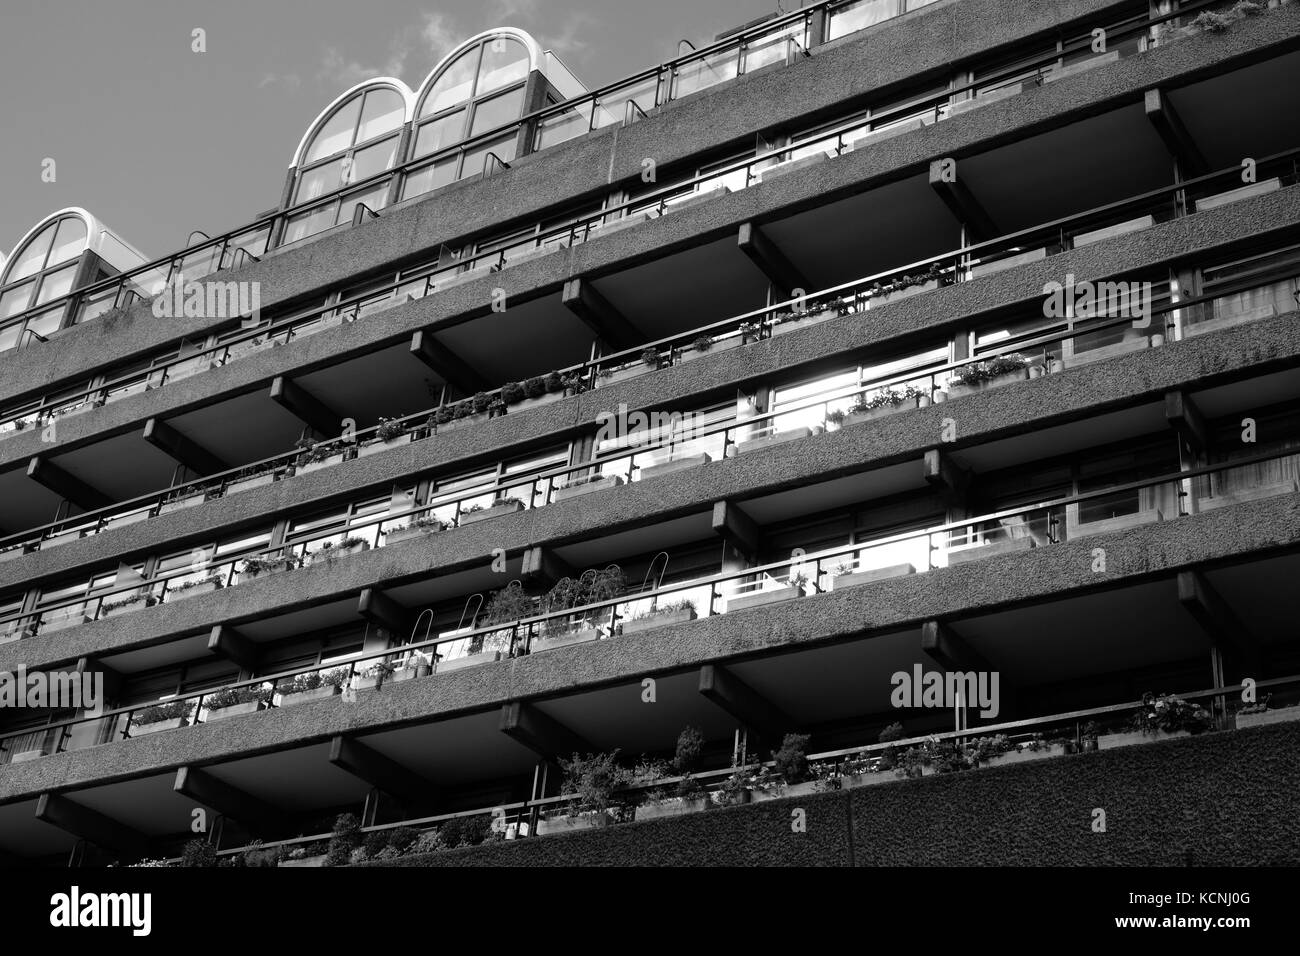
1221, 799
1134, 555
937, 312
876, 60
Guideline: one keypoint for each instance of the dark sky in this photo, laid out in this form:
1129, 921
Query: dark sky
157, 140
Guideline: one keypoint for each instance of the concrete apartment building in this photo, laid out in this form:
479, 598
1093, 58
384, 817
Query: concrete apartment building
567, 419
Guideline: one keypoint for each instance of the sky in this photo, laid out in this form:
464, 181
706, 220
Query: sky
158, 140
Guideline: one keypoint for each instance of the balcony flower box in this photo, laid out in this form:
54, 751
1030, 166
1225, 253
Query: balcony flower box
62, 537
1112, 232
783, 791
574, 489
715, 346
974, 552
378, 445
339, 551
265, 568
929, 285
470, 660
329, 461
803, 320
773, 438
409, 673
583, 636
696, 199
180, 504
526, 403
10, 553
234, 710
63, 620
674, 464
1134, 737
566, 824
1240, 495
306, 696
624, 222
1025, 755
1230, 320
515, 258
762, 598
1241, 192
888, 132
203, 586
1081, 66
173, 723
791, 165
671, 807
256, 481
1072, 358
1282, 715
1078, 529
855, 780
1007, 262
854, 578
27, 755
124, 520
613, 376
880, 411
124, 605
956, 390
507, 507
658, 619
414, 530
190, 366
318, 860
983, 99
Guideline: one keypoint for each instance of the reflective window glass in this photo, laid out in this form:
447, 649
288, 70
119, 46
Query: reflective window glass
69, 242
372, 160
497, 111
56, 284
14, 300
336, 133
384, 111
32, 259
504, 62
320, 180
456, 84
439, 133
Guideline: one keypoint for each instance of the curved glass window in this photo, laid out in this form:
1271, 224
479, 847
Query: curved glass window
42, 271
358, 141
480, 90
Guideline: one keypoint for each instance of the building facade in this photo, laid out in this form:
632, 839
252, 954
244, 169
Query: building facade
901, 387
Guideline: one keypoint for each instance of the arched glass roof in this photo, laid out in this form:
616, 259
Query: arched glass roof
368, 111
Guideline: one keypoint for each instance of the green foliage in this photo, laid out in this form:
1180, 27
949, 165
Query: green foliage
1171, 713
389, 429
465, 831
791, 759
230, 696
690, 746
168, 711
512, 392
345, 838
703, 343
593, 779
978, 372
553, 382
199, 853
650, 357
535, 387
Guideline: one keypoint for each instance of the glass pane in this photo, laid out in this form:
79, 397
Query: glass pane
336, 133
504, 148
430, 177
32, 259
319, 180
69, 241
309, 223
56, 284
45, 324
9, 336
382, 113
504, 62
701, 73
442, 132
613, 106
858, 16
773, 47
497, 111
563, 126
373, 198
15, 299
455, 85
373, 160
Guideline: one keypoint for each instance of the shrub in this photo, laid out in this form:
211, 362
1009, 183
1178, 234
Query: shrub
256, 856
214, 578
168, 711
402, 838
553, 381
1212, 22
230, 696
443, 414
1171, 713
377, 841
389, 429
466, 831
535, 387
703, 343
345, 838
593, 779
512, 392
690, 744
430, 841
650, 357
792, 758
199, 853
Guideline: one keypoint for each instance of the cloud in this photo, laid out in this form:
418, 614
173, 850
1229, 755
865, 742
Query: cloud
434, 37
289, 81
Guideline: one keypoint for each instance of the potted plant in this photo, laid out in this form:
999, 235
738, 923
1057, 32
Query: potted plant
122, 603
183, 498
314, 685
592, 780
312, 457
982, 375
250, 478
375, 675
417, 664
213, 582
650, 357
574, 384
426, 523
662, 615
882, 402
757, 597
582, 484
1161, 716
689, 796
1259, 714
391, 431
790, 765
232, 701
165, 716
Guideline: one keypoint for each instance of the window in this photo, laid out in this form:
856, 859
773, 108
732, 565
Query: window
482, 89
41, 272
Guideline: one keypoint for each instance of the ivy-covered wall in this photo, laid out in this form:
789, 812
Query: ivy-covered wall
1228, 799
